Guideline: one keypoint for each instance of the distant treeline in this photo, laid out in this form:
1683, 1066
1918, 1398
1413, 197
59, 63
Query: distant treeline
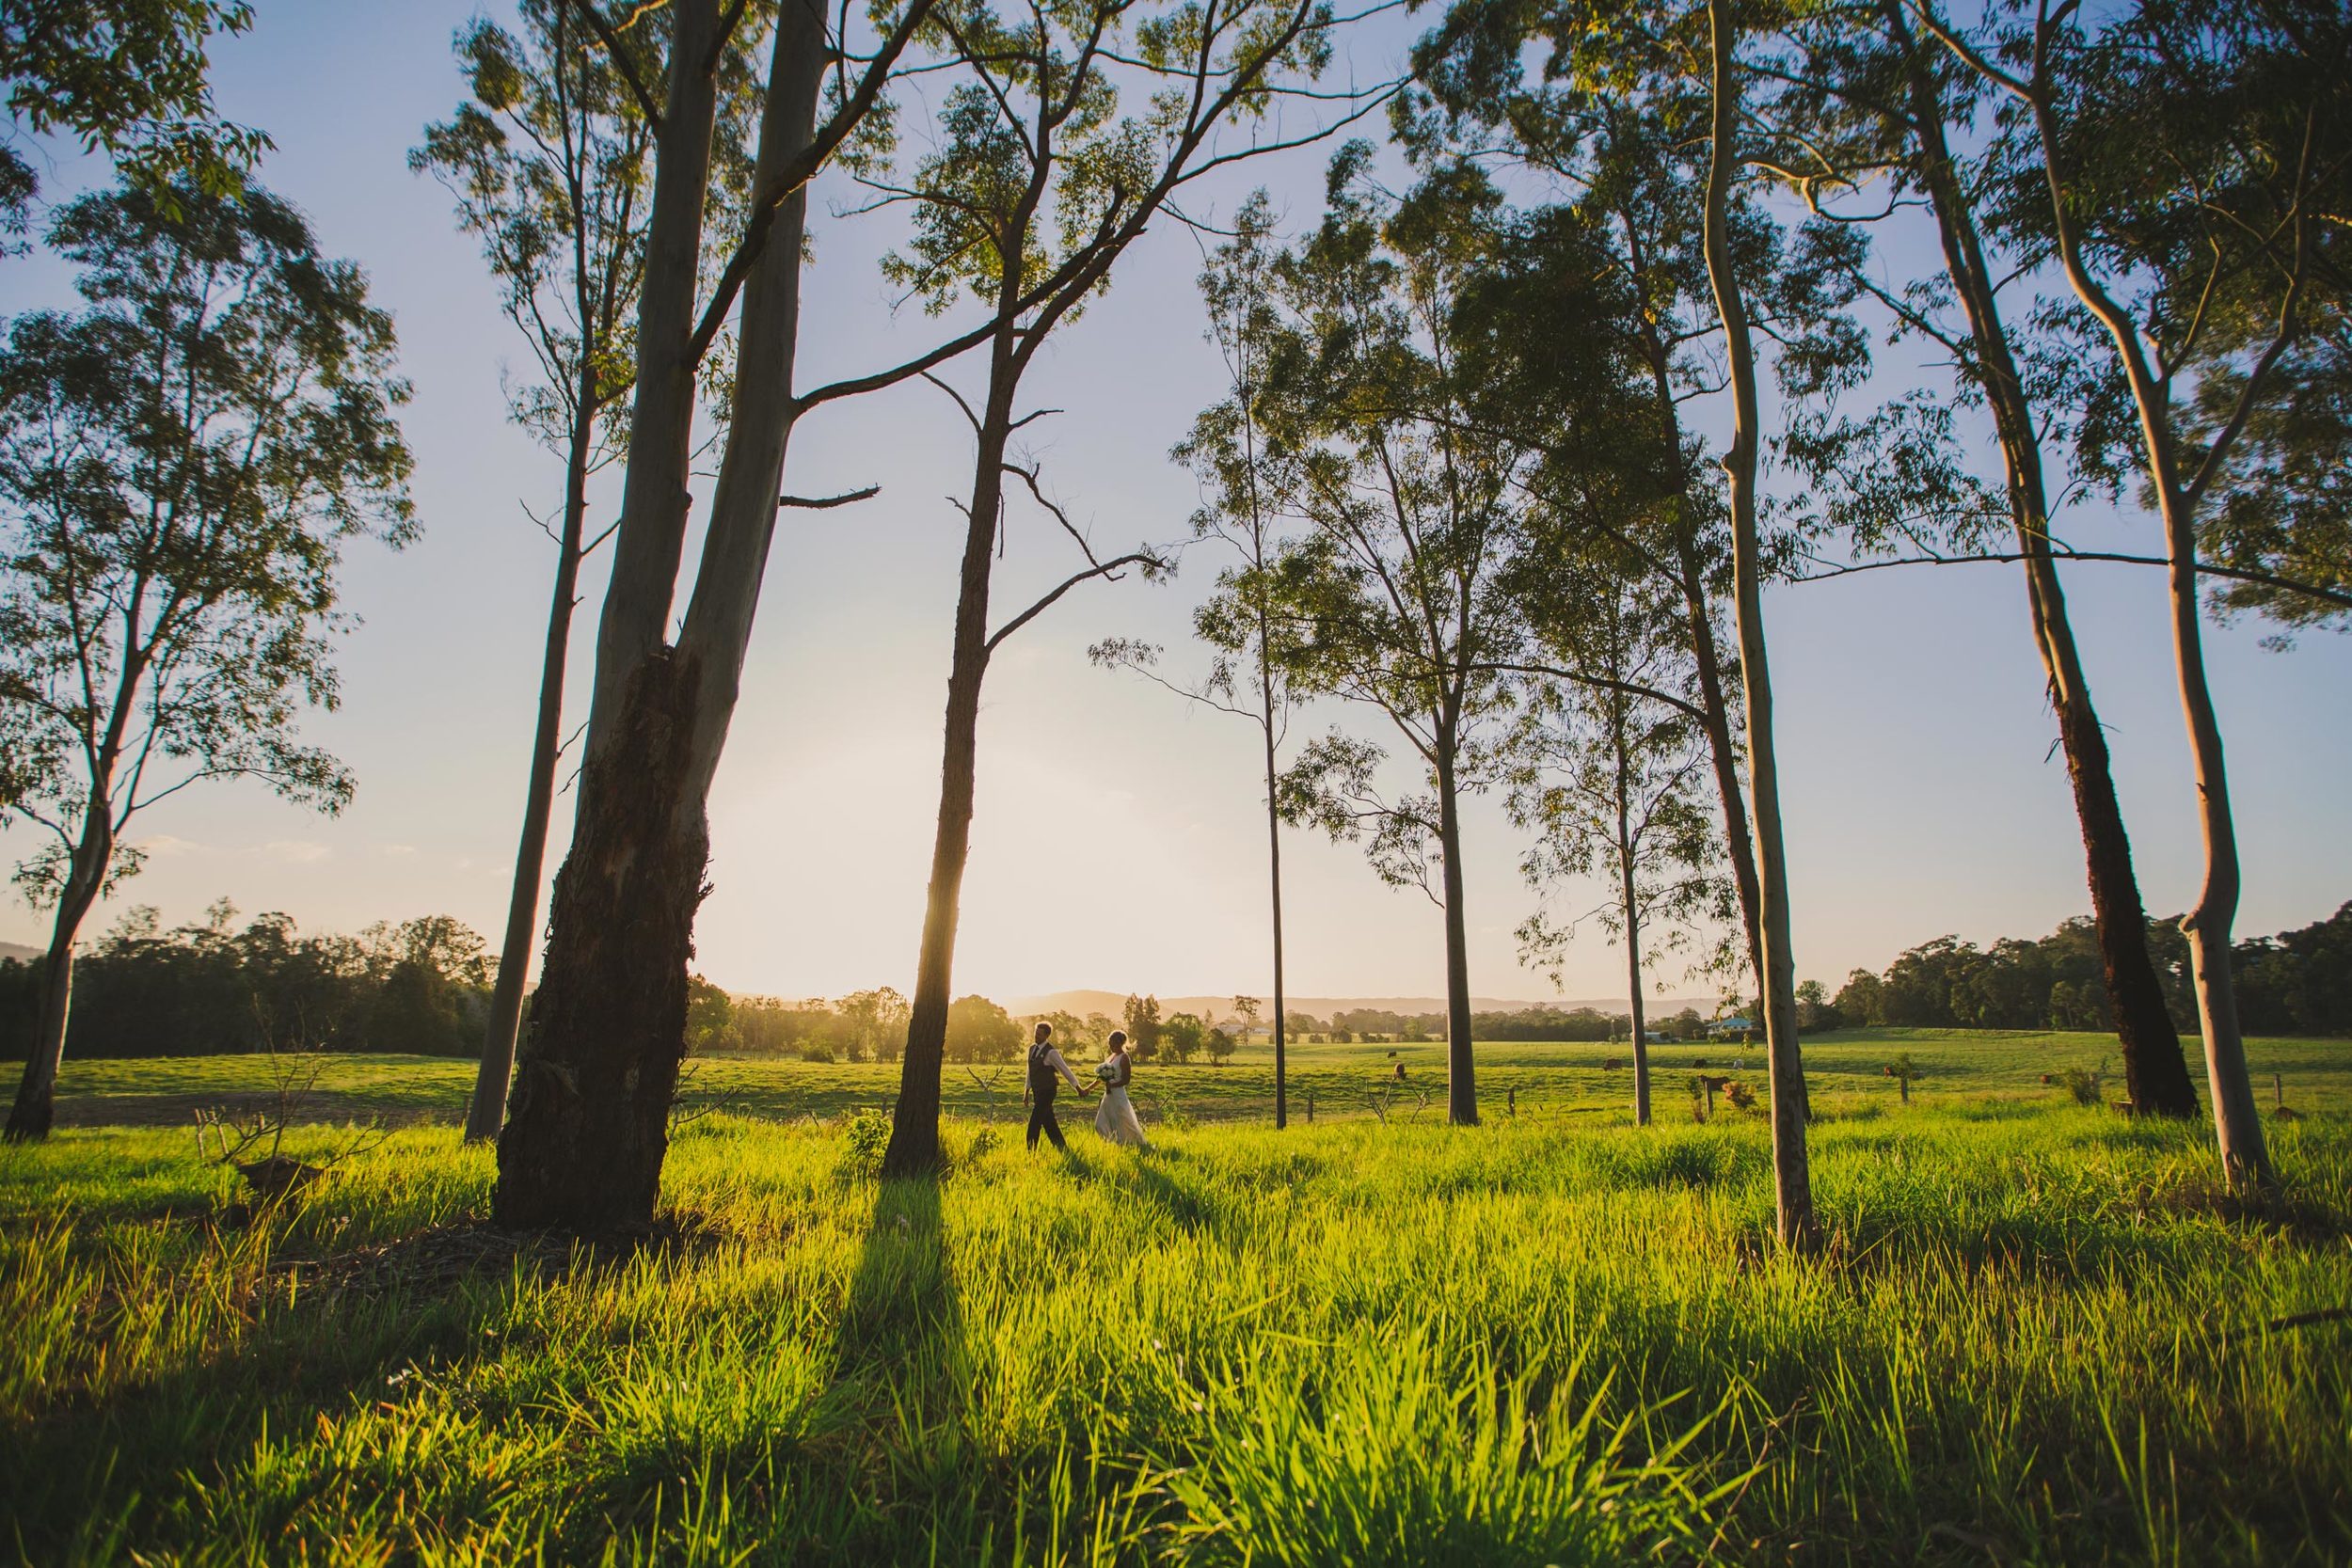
1526, 1023
2295, 983
423, 985
419, 985
864, 1026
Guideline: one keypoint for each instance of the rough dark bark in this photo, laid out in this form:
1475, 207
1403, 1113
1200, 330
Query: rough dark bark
1791, 1173
487, 1112
2155, 1068
583, 1148
584, 1145
2245, 1158
1461, 1086
588, 1124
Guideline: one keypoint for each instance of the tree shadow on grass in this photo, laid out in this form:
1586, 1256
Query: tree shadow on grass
325, 1333
1082, 1166
353, 1330
1152, 1177
902, 1299
896, 1444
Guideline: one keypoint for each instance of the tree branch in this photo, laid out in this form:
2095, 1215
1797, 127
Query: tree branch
795, 176
1632, 688
818, 503
622, 65
1106, 569
2202, 568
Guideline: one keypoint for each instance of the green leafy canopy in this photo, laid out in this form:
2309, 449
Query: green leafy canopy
181, 462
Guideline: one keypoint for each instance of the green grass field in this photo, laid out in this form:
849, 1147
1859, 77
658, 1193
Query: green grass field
1343, 1081
2040, 1334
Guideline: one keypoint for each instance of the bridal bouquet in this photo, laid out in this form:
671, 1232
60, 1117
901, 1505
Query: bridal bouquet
1107, 1071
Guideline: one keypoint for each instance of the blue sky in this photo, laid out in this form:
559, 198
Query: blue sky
1118, 842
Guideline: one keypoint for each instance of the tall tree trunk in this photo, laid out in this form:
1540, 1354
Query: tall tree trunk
2237, 1121
632, 631
2155, 1068
2155, 1071
717, 634
1698, 614
1274, 871
487, 1113
1629, 901
590, 1124
30, 1117
1633, 975
914, 1148
1791, 1178
2238, 1124
588, 1128
1461, 1092
1739, 843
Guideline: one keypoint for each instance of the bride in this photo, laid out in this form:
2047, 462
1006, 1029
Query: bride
1114, 1119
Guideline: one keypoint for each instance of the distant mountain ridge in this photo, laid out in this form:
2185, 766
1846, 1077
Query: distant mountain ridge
16, 951
1111, 1003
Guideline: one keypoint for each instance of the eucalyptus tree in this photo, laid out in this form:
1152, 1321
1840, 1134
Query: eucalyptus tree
1611, 754
549, 163
1777, 979
588, 1129
1404, 513
2276, 528
1610, 773
1038, 184
587, 1133
2281, 519
2184, 153
1878, 99
182, 462
1247, 676
1613, 679
1605, 113
1641, 89
128, 78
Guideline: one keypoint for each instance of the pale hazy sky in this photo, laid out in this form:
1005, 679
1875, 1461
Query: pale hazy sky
1119, 841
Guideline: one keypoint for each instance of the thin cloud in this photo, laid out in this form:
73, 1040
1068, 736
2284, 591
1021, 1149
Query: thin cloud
166, 847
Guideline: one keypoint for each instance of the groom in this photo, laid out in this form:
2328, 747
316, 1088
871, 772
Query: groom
1044, 1062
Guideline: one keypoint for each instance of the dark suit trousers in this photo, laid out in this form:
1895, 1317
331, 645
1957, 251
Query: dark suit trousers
1042, 1120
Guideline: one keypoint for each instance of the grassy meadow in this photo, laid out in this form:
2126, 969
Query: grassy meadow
2040, 1334
1844, 1071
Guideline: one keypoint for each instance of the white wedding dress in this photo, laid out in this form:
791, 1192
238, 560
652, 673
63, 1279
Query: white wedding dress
1114, 1119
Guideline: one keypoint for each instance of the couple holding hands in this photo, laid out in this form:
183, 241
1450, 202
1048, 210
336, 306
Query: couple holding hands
1114, 1119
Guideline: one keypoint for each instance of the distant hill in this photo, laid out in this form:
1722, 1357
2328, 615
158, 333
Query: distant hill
16, 951
1110, 1004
